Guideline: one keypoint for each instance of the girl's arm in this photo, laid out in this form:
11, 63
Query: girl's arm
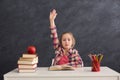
54, 34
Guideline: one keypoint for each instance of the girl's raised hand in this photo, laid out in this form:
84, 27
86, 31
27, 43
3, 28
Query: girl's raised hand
53, 15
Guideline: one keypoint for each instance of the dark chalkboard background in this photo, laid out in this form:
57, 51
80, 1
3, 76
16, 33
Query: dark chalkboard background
94, 23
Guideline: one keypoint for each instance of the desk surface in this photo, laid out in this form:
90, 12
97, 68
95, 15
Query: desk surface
43, 72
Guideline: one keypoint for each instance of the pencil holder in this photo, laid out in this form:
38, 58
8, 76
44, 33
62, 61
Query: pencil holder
95, 66
96, 60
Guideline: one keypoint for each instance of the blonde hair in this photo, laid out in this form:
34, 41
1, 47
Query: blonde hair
73, 38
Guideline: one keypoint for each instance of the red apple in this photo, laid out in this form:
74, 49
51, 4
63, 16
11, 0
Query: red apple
31, 49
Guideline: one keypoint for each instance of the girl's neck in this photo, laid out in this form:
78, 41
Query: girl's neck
66, 51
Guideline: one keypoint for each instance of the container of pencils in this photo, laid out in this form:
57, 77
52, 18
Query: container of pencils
95, 66
96, 60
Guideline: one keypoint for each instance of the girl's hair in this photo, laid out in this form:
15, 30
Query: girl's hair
73, 38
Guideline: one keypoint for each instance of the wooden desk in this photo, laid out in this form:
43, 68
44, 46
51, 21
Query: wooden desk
85, 73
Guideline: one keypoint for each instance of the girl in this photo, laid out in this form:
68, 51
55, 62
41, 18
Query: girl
65, 54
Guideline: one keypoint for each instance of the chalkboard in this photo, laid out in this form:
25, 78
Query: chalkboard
94, 23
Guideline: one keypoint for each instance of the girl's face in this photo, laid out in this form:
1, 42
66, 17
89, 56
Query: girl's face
67, 41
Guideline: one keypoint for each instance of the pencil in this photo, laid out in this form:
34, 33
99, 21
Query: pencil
101, 56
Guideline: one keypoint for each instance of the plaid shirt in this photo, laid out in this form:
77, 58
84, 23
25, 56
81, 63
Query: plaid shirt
74, 58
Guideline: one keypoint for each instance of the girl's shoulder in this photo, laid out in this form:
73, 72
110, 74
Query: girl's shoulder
58, 50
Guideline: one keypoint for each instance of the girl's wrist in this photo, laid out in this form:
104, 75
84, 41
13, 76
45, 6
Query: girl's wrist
52, 24
52, 27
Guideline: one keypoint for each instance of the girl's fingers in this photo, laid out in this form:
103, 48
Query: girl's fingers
53, 14
54, 10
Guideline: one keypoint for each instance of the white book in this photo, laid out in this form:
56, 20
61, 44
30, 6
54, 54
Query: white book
27, 66
27, 62
28, 59
26, 70
26, 55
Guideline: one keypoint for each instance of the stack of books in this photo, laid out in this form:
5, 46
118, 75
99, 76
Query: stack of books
27, 63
